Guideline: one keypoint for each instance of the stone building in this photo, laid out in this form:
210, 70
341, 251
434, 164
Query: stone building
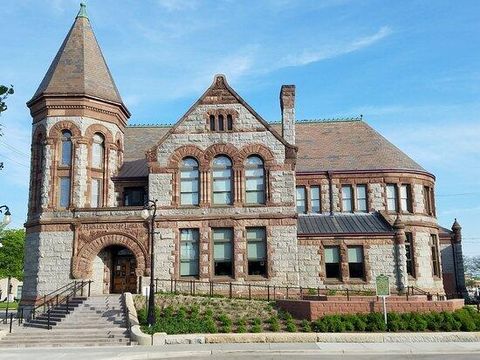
306, 203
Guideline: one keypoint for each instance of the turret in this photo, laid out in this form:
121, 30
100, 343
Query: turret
78, 125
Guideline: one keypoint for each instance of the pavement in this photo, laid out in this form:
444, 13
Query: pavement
358, 351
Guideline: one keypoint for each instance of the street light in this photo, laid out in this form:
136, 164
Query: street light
7, 217
151, 206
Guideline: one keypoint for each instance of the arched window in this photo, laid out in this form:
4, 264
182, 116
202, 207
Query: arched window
255, 180
212, 122
66, 152
98, 150
221, 123
229, 122
189, 182
222, 181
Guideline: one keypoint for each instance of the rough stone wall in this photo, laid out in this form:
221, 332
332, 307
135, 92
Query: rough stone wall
160, 188
418, 202
80, 185
112, 169
164, 253
309, 261
47, 262
284, 257
282, 185
377, 199
98, 273
382, 261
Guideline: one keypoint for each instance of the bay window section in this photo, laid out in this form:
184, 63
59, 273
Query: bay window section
257, 251
255, 180
222, 181
332, 262
392, 198
189, 182
355, 262
406, 198
66, 151
301, 200
362, 198
64, 196
189, 254
347, 198
222, 252
96, 193
315, 199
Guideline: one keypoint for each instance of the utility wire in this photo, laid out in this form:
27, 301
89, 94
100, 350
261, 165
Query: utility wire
19, 152
15, 161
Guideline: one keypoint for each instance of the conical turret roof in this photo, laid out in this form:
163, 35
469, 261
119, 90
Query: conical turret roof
79, 67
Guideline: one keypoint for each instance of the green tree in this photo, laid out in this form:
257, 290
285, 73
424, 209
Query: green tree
4, 92
11, 253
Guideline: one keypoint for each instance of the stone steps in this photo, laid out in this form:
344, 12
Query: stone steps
97, 321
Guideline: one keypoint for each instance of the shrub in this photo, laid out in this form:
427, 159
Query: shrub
256, 321
241, 329
306, 326
375, 322
256, 328
274, 323
210, 326
290, 326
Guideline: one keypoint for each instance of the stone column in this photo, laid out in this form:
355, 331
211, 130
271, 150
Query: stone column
287, 105
400, 255
457, 253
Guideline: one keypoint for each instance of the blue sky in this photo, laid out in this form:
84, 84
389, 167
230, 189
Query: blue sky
412, 68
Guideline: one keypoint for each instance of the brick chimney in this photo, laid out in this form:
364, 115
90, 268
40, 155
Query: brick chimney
287, 105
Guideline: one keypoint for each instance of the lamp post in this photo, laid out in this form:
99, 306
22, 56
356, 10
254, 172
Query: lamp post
151, 205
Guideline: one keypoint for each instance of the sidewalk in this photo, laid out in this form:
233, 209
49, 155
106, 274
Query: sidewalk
247, 350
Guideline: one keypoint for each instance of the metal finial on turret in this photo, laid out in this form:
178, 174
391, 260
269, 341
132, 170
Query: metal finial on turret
83, 11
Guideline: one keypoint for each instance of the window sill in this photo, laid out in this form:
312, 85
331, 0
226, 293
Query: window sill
356, 281
222, 278
255, 205
331, 281
257, 278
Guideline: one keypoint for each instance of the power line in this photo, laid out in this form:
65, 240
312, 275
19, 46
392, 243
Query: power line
15, 161
14, 149
460, 194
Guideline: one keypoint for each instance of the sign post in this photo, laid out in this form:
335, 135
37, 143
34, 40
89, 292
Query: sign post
383, 289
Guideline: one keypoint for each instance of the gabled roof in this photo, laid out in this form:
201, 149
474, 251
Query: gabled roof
79, 67
323, 145
351, 145
336, 224
218, 93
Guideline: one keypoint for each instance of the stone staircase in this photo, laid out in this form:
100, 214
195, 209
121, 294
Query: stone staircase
93, 321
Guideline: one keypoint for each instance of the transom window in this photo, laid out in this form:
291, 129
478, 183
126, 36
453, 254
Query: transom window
222, 181
257, 251
66, 153
255, 180
222, 252
220, 123
189, 256
98, 149
189, 182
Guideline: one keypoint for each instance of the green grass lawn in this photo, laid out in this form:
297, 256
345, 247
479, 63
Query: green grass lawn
11, 305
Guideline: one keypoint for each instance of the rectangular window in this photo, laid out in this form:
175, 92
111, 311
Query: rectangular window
409, 254
189, 187
428, 200
64, 192
362, 198
347, 198
406, 197
301, 200
355, 262
189, 239
435, 255
392, 197
332, 262
315, 199
134, 196
257, 251
222, 252
96, 193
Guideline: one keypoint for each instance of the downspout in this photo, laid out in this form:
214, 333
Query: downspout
330, 190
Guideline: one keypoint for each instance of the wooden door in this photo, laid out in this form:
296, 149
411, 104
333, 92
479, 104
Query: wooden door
124, 277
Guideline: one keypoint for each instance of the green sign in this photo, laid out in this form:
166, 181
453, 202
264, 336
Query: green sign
383, 285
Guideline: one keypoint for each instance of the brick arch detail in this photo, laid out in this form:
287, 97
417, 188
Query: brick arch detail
187, 151
40, 130
98, 128
223, 149
57, 129
82, 264
256, 149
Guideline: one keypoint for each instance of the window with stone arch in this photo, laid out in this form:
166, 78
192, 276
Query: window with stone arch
255, 188
189, 182
222, 184
66, 148
97, 173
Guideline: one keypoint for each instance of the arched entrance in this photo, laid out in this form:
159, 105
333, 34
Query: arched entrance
114, 271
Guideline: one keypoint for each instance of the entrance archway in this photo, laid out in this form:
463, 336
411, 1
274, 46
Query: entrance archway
114, 271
